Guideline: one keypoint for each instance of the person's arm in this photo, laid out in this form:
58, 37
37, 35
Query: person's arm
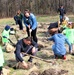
34, 22
22, 15
64, 32
17, 52
15, 17
25, 65
34, 44
70, 46
24, 21
51, 38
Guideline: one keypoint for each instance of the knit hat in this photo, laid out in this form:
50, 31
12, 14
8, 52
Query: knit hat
7, 27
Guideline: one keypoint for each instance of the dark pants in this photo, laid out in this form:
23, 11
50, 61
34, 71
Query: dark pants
0, 70
18, 21
32, 34
20, 25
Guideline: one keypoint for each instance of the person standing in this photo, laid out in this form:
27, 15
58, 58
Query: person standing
18, 19
31, 24
62, 12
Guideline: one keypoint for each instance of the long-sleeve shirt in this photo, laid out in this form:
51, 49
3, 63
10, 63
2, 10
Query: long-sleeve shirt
22, 47
6, 34
1, 57
59, 44
62, 11
18, 18
30, 21
69, 34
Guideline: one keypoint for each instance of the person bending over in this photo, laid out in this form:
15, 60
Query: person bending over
31, 24
25, 45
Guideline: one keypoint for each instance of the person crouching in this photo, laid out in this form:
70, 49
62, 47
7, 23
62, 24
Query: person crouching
28, 46
59, 40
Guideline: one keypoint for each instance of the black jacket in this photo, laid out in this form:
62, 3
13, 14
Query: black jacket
62, 11
22, 47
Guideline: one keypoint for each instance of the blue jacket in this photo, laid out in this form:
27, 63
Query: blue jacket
59, 44
30, 21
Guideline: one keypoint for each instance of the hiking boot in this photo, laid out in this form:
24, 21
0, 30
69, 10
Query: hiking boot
64, 57
60, 57
30, 59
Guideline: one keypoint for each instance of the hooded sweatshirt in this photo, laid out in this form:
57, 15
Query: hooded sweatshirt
59, 44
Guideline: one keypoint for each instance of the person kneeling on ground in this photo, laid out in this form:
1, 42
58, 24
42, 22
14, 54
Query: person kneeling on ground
25, 45
59, 40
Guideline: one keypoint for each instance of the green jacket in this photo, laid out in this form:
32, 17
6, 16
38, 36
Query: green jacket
1, 57
69, 34
20, 16
6, 34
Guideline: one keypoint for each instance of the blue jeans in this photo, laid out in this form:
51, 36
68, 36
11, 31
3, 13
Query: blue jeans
61, 17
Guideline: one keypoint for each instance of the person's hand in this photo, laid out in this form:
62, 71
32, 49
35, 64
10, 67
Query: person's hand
29, 26
25, 64
46, 39
30, 30
33, 50
70, 51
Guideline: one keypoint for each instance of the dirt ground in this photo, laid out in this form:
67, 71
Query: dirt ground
56, 67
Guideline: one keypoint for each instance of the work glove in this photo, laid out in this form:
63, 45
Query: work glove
30, 30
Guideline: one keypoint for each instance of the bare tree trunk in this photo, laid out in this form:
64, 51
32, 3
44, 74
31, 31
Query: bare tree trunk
8, 8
